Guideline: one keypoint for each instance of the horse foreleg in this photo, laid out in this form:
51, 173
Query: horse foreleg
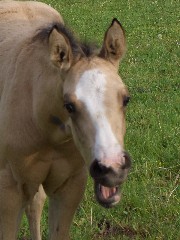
63, 205
33, 213
11, 205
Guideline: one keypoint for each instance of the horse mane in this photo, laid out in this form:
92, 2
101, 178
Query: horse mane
84, 48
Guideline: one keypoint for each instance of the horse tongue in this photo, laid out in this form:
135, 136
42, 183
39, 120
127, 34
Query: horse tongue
107, 192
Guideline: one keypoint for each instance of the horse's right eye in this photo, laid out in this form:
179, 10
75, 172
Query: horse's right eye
70, 107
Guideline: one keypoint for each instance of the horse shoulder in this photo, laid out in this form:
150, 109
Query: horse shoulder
22, 71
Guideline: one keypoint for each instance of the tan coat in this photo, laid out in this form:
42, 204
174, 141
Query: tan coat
38, 61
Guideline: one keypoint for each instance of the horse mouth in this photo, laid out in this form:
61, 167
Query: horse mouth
107, 196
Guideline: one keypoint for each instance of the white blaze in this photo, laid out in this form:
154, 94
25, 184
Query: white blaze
91, 90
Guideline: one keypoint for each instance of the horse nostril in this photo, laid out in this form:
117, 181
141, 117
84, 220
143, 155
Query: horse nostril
98, 169
127, 163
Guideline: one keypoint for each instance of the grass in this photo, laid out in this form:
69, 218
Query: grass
151, 197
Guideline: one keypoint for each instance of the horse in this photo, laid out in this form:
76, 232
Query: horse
62, 115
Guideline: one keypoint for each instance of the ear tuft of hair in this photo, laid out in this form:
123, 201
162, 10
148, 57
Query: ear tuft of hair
115, 20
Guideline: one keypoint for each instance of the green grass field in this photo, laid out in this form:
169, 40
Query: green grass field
150, 205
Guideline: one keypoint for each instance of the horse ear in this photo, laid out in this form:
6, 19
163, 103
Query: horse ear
114, 45
60, 50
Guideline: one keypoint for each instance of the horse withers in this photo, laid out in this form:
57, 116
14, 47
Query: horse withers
57, 95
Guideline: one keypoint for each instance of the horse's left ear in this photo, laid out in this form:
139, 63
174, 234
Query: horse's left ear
114, 45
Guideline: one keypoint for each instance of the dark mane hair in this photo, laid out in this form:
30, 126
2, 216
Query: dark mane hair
78, 47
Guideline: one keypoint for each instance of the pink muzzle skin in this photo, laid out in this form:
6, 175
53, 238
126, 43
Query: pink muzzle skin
107, 181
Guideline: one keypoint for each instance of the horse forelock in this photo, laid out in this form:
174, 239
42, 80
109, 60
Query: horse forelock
82, 48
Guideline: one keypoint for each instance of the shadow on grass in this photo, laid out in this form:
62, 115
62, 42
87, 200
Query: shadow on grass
107, 230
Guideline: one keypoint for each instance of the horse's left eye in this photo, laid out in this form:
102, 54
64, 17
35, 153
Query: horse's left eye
70, 107
126, 100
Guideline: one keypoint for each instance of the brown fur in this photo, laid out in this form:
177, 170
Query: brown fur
37, 54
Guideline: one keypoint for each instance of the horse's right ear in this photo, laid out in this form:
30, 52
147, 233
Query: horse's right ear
60, 50
114, 45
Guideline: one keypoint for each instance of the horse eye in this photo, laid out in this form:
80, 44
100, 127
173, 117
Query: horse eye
70, 107
126, 100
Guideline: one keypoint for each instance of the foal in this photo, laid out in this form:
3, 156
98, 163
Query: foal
57, 96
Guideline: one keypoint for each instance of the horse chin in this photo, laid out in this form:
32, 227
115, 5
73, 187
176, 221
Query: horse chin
107, 197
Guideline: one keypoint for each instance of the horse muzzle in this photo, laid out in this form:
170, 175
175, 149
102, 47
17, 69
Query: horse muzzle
108, 181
